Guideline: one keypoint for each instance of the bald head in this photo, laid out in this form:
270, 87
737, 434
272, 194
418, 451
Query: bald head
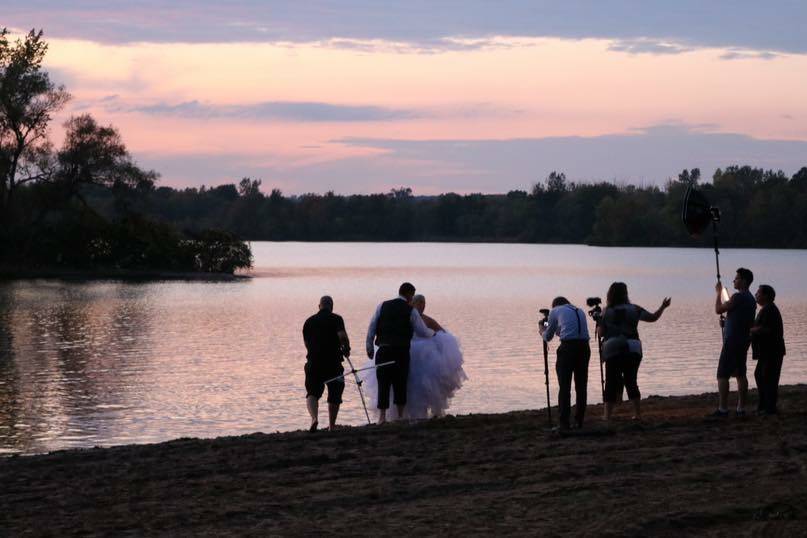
326, 303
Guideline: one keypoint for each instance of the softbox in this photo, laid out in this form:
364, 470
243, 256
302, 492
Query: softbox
696, 212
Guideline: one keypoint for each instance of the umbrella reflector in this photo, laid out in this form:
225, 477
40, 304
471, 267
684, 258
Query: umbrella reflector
696, 212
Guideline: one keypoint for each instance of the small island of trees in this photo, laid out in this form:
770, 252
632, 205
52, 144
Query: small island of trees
46, 220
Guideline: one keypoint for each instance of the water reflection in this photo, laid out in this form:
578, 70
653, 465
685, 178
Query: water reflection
105, 363
9, 378
78, 341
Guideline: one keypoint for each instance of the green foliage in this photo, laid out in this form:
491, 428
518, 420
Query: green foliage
217, 252
28, 101
760, 208
79, 239
93, 154
46, 219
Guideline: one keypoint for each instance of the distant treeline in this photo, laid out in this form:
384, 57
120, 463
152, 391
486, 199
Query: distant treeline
760, 208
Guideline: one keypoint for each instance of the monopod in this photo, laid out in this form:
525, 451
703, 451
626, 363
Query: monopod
596, 314
543, 323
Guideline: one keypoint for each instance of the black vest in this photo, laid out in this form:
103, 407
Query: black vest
394, 327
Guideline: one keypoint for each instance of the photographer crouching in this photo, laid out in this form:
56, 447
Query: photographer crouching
621, 347
569, 323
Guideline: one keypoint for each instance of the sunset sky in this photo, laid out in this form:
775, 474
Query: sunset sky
361, 96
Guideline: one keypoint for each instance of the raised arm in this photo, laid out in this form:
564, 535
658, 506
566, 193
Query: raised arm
657, 314
720, 306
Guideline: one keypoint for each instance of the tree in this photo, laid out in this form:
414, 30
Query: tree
250, 188
556, 182
93, 154
686, 177
402, 193
799, 179
28, 101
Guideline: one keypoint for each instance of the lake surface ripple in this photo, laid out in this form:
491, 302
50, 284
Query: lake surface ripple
103, 363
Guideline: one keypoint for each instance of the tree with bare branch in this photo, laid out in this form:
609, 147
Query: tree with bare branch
28, 101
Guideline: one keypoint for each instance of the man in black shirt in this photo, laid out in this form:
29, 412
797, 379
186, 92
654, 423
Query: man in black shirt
768, 349
739, 310
326, 342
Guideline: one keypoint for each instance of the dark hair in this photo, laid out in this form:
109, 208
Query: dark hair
406, 289
768, 291
557, 301
746, 275
617, 294
326, 303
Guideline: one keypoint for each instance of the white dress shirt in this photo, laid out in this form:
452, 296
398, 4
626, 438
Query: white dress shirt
569, 322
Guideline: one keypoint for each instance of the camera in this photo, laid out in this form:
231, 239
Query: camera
595, 310
545, 320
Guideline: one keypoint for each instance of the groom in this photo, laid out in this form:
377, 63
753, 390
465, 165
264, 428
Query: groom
391, 329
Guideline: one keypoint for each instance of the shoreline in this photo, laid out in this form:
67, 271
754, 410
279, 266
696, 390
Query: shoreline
79, 275
459, 241
674, 473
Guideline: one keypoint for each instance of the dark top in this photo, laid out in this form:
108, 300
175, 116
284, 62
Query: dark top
769, 342
394, 326
623, 320
737, 331
321, 336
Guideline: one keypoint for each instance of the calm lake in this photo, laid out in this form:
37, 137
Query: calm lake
103, 363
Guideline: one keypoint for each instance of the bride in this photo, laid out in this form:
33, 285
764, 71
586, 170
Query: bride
435, 370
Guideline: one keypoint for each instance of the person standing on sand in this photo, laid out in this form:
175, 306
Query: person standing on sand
739, 310
574, 353
768, 349
391, 329
326, 342
621, 348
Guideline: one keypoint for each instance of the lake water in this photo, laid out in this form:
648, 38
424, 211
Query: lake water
107, 363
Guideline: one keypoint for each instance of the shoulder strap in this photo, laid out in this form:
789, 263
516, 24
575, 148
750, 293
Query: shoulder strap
577, 317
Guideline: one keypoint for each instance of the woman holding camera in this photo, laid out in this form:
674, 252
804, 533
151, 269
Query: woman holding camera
621, 347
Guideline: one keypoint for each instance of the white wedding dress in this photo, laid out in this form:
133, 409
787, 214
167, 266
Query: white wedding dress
435, 375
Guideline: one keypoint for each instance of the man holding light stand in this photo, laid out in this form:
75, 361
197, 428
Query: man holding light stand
739, 311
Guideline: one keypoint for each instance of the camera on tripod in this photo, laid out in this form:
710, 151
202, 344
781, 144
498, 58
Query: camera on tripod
544, 322
595, 310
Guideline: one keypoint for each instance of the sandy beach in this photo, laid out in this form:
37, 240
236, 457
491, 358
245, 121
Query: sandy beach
676, 473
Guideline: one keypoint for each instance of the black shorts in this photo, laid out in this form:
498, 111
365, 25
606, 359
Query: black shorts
732, 361
315, 378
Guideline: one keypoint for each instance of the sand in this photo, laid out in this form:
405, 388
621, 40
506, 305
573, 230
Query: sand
677, 473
